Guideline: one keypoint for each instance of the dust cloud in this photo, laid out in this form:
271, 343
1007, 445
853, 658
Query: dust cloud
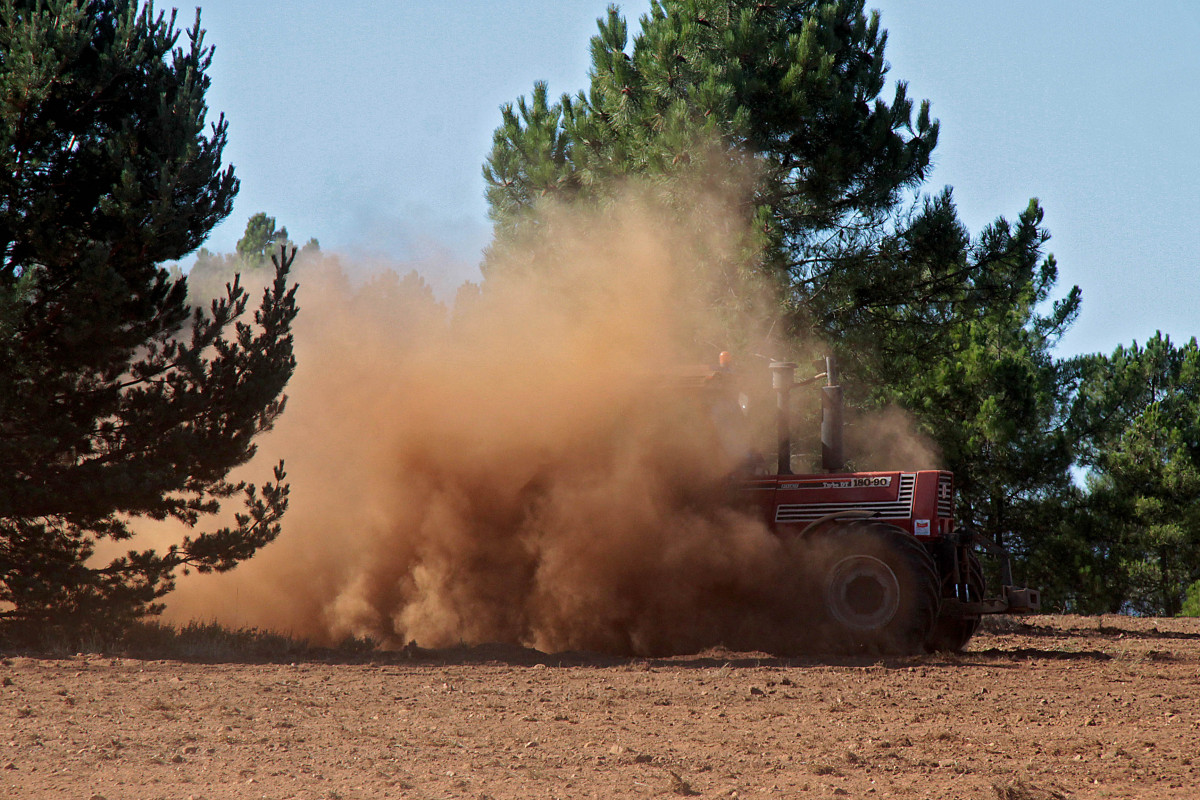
888, 439
525, 466
530, 464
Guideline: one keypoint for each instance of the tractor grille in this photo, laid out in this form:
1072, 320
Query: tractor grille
900, 508
945, 495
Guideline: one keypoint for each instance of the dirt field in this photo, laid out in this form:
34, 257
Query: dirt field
1058, 707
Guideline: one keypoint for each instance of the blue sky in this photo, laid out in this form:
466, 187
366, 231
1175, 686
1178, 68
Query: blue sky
365, 124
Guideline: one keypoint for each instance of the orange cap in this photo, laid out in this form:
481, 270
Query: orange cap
725, 359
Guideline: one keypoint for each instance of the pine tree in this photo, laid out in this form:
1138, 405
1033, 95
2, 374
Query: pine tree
210, 272
1137, 416
795, 86
117, 400
792, 93
956, 329
988, 390
260, 240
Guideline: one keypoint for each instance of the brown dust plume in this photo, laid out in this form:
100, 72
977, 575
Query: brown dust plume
520, 467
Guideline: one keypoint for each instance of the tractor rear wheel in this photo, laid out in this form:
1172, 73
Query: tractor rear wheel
951, 634
877, 589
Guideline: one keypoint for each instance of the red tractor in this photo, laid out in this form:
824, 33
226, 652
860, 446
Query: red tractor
889, 571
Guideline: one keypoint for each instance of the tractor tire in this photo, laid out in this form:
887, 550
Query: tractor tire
877, 590
951, 634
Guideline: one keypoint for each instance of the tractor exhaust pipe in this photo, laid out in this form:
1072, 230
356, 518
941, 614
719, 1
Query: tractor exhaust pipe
833, 454
783, 378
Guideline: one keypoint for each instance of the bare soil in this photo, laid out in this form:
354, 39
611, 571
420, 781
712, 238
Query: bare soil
1048, 707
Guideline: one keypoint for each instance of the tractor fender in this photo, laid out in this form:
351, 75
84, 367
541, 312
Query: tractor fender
821, 523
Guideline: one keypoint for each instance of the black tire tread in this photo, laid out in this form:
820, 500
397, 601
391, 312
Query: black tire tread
920, 589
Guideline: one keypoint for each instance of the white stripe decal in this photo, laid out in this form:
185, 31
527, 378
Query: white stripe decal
900, 508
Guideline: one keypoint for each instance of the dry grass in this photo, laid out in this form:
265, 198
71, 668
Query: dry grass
196, 641
208, 641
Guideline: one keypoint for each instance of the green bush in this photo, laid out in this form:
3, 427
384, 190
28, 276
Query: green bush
1191, 601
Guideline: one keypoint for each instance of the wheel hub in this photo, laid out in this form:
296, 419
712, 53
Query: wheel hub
863, 593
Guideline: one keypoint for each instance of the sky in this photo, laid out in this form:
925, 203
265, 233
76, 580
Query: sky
365, 124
